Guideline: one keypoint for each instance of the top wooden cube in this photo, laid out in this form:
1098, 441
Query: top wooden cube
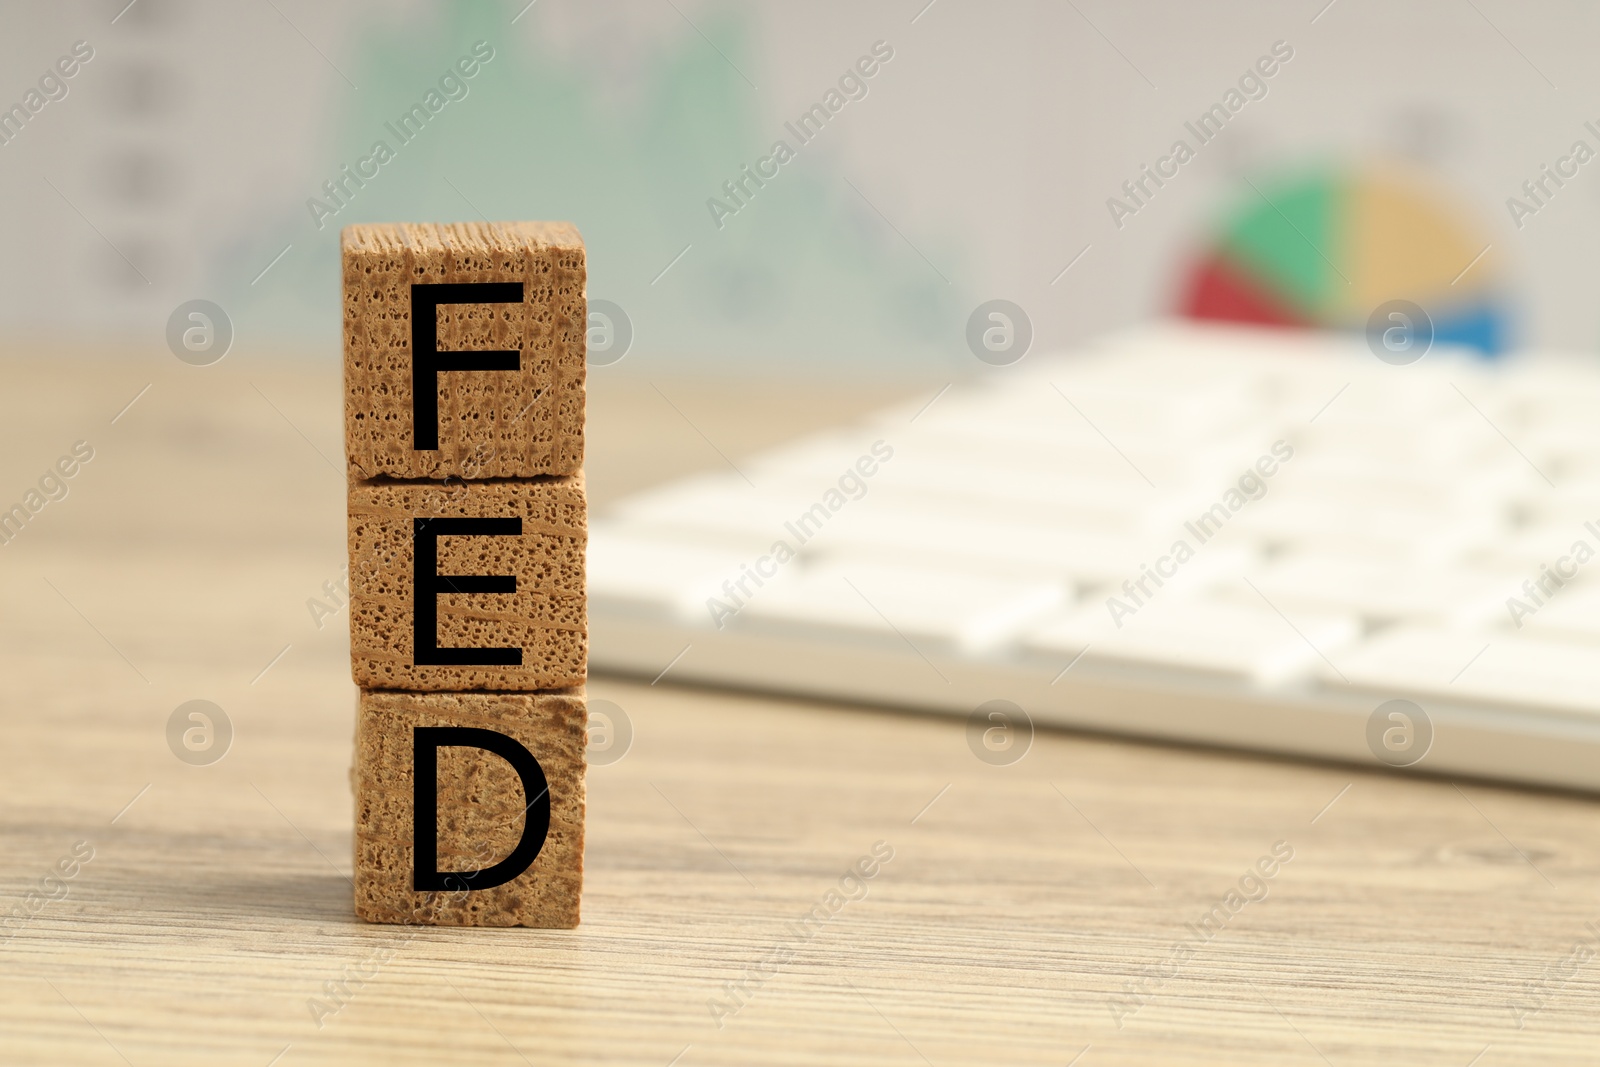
464, 349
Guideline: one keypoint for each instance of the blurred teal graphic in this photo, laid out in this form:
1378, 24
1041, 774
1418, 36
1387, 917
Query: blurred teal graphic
807, 269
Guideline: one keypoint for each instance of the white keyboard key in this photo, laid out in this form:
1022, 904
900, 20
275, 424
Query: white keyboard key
858, 596
1567, 509
1063, 491
1250, 643
1376, 589
1572, 612
1083, 554
1084, 454
789, 508
1349, 527
641, 571
1407, 483
1507, 670
1524, 550
979, 543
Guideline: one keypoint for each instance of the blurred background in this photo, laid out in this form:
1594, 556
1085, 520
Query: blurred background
984, 158
793, 212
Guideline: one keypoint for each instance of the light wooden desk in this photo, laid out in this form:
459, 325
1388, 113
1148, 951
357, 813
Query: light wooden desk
1018, 902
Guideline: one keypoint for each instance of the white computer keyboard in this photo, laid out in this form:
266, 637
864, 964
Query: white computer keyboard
1215, 535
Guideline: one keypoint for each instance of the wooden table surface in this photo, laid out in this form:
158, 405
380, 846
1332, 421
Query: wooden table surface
1418, 921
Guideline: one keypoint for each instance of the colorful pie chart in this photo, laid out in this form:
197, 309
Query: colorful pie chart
1324, 250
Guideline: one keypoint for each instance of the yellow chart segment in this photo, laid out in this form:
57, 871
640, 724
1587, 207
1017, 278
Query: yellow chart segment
1397, 244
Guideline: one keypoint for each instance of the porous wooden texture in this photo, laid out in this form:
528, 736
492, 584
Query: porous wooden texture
545, 617
480, 811
492, 424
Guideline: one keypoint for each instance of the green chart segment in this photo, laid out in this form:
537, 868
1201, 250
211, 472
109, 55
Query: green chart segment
1323, 249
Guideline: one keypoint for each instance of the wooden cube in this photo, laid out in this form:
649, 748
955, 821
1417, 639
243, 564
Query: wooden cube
482, 811
468, 585
464, 349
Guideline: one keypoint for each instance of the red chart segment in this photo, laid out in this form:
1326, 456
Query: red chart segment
1217, 289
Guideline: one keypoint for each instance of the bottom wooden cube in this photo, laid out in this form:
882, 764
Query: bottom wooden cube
488, 751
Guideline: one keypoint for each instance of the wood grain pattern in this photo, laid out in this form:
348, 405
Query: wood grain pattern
215, 913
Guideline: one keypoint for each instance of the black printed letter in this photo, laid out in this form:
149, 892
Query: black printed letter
425, 355
428, 584
426, 742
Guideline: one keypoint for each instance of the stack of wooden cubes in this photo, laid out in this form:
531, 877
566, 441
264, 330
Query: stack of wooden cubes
464, 350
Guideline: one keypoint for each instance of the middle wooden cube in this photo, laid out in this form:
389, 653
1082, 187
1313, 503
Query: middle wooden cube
468, 585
